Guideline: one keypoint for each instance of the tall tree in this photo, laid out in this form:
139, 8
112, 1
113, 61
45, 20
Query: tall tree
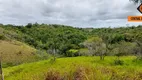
96, 46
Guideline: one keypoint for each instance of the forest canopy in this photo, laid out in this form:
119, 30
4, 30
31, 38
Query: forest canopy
70, 41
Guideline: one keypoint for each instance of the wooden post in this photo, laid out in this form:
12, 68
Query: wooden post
1, 73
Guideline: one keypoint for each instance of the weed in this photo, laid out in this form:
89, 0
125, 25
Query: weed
53, 75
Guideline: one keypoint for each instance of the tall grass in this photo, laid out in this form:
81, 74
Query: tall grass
77, 68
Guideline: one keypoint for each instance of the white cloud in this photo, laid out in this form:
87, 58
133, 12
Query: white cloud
79, 13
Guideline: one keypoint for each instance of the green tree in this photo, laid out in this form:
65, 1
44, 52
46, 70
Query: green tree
138, 50
29, 25
96, 46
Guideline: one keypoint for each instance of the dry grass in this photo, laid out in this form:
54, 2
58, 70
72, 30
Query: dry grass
14, 52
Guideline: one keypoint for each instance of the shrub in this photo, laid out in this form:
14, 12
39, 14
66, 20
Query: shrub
9, 64
72, 53
52, 60
2, 37
118, 62
138, 59
53, 75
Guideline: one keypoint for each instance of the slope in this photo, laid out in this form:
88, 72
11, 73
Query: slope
14, 52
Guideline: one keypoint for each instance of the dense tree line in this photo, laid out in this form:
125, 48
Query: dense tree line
71, 41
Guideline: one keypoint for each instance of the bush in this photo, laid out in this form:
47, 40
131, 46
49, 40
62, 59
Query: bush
72, 53
118, 62
139, 58
9, 64
53, 75
2, 37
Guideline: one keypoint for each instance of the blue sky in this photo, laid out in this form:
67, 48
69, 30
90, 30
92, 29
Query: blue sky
78, 13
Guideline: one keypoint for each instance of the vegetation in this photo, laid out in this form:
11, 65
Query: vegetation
14, 53
61, 40
77, 68
107, 51
96, 46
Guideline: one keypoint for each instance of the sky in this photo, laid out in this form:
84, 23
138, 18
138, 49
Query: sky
77, 13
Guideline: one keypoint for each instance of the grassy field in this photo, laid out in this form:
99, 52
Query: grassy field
77, 68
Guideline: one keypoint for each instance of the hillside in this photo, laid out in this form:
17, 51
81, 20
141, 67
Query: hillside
61, 39
14, 53
59, 52
70, 39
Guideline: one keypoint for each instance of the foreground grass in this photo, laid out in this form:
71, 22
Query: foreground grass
77, 68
